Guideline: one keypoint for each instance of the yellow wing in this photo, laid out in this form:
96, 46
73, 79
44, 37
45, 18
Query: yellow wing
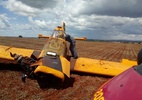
5, 52
101, 67
86, 65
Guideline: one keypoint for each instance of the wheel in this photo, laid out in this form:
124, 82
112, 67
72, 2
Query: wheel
139, 57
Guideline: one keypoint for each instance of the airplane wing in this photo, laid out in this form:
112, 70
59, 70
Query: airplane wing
85, 65
56, 68
100, 67
5, 52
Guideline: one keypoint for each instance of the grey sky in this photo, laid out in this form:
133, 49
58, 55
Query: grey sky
103, 19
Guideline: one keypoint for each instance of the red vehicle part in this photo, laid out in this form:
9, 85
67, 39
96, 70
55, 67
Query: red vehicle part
126, 86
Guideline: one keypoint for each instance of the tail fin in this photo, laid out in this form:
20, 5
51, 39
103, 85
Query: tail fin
64, 26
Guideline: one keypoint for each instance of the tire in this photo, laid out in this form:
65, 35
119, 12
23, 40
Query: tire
139, 57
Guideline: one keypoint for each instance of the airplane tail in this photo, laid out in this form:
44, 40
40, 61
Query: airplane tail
64, 27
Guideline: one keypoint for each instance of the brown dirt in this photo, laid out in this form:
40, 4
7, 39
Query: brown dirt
79, 87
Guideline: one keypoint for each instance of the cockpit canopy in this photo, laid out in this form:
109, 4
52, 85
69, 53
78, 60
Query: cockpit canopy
58, 34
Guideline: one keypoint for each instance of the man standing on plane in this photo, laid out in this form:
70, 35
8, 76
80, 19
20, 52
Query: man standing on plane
72, 42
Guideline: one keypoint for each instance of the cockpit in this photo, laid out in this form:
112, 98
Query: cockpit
57, 44
58, 34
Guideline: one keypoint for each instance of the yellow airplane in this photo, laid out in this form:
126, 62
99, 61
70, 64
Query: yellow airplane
53, 60
76, 38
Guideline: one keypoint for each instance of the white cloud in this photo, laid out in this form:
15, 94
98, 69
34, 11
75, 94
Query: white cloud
96, 18
4, 23
38, 23
20, 8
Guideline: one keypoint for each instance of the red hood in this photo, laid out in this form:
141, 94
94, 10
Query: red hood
126, 86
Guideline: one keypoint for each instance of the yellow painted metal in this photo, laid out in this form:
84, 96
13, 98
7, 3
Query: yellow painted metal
76, 38
42, 36
56, 45
83, 38
48, 70
65, 66
101, 67
128, 62
5, 52
82, 64
59, 28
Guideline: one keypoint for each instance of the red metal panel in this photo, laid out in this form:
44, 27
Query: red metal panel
126, 86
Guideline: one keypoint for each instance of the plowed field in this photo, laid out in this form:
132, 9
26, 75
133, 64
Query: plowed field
79, 87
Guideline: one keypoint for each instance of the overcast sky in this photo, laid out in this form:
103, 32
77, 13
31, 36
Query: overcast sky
95, 19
